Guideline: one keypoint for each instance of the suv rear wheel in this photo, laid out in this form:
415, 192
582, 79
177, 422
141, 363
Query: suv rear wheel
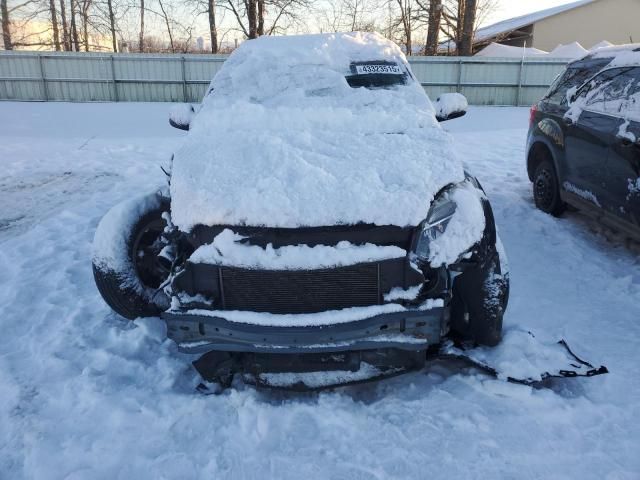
546, 190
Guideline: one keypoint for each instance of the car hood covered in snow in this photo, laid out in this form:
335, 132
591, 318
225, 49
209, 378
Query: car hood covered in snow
282, 140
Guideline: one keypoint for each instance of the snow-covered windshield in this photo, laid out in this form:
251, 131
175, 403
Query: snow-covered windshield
286, 141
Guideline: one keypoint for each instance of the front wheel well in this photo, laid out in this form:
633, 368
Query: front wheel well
537, 153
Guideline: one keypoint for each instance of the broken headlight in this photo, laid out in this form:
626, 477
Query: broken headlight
439, 216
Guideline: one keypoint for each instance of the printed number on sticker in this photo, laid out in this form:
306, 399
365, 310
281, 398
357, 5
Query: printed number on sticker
384, 69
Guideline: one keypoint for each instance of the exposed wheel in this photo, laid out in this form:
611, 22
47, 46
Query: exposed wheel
126, 266
546, 190
480, 297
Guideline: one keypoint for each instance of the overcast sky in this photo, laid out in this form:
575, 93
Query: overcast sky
515, 8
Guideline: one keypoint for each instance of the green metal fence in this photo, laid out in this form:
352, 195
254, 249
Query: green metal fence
87, 77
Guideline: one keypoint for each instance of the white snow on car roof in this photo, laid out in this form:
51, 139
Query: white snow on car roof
613, 51
284, 141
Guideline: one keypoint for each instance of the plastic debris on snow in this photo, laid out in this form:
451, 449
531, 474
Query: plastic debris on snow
282, 140
522, 355
227, 249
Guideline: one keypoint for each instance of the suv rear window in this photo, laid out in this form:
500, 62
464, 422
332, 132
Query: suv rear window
574, 76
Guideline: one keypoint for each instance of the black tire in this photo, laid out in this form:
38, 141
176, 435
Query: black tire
546, 189
480, 297
129, 284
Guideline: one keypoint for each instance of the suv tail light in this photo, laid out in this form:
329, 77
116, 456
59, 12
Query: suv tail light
532, 113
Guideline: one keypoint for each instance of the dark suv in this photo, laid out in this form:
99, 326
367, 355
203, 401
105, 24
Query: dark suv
583, 146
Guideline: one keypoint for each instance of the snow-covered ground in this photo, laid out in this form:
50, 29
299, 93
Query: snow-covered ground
84, 394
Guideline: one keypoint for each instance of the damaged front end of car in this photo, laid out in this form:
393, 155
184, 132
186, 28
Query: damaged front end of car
316, 307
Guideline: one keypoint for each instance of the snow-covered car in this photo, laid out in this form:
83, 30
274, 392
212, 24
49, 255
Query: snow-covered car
317, 220
583, 147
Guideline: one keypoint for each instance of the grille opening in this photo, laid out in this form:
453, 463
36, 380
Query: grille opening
300, 291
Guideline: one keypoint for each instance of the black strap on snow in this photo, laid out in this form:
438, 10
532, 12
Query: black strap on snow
593, 371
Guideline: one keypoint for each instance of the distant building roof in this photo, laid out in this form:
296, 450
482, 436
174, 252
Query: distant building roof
506, 26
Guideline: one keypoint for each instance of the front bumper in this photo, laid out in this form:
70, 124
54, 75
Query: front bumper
410, 329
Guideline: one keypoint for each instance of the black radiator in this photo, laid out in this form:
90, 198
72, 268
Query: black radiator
296, 291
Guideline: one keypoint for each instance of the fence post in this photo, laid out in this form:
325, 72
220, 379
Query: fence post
184, 81
43, 78
520, 74
116, 97
459, 82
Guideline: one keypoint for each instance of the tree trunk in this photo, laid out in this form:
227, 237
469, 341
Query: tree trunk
112, 25
65, 30
252, 13
168, 25
260, 17
85, 26
459, 23
213, 30
435, 15
74, 30
6, 25
466, 38
54, 24
141, 39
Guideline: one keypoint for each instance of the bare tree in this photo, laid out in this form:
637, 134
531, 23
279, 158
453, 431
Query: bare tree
264, 17
468, 24
461, 18
260, 13
141, 36
6, 25
84, 18
74, 29
405, 8
167, 22
213, 28
252, 17
434, 17
112, 25
54, 24
65, 30
17, 22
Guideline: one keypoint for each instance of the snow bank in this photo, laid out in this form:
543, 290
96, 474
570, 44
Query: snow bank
570, 50
226, 249
602, 44
508, 51
284, 141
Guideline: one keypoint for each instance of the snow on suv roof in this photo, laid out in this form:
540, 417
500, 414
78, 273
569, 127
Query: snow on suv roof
283, 140
629, 51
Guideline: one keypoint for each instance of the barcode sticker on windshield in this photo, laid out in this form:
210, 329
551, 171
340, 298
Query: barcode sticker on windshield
378, 69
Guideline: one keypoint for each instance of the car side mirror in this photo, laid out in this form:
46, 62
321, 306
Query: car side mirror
450, 105
180, 116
